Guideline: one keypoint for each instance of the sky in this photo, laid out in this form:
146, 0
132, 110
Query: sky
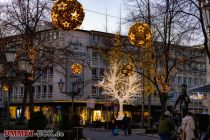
94, 21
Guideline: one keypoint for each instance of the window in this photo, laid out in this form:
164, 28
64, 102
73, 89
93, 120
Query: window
179, 79
50, 91
176, 52
15, 91
57, 35
94, 72
198, 66
93, 91
50, 71
101, 72
38, 89
54, 35
44, 74
99, 91
185, 66
95, 56
185, 79
21, 90
44, 89
50, 88
195, 81
189, 80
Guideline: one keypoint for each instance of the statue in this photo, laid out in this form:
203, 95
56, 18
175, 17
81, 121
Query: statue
183, 100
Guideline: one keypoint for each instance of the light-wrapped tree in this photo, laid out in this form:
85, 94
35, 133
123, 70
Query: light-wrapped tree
119, 86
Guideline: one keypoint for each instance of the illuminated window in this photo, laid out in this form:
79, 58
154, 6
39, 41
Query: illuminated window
96, 115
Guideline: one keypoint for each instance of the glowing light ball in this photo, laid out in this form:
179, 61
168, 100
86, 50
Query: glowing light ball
76, 68
140, 35
67, 14
127, 69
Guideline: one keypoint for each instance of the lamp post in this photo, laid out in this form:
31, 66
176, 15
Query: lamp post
8, 75
76, 83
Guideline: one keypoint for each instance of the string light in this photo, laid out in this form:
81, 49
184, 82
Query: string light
127, 69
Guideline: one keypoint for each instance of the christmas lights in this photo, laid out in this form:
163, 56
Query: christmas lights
67, 14
140, 35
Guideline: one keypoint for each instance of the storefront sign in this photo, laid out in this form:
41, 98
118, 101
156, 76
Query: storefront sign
91, 103
107, 103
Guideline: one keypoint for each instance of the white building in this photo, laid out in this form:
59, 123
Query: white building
84, 47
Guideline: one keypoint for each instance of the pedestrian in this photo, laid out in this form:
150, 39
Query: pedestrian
166, 126
126, 124
188, 127
113, 124
203, 124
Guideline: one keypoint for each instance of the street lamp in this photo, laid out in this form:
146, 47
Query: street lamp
7, 68
76, 87
76, 83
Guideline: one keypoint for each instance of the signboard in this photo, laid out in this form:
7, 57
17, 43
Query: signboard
107, 103
91, 103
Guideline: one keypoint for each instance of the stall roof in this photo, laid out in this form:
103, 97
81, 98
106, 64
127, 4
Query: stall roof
205, 88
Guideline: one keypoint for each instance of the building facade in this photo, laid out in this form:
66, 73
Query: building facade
85, 48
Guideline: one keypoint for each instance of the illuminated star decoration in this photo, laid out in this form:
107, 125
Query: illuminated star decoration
67, 14
66, 24
62, 6
74, 15
132, 36
76, 68
140, 35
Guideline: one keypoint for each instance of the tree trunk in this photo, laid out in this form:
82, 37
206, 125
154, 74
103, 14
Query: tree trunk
163, 99
142, 111
22, 117
149, 110
120, 117
31, 97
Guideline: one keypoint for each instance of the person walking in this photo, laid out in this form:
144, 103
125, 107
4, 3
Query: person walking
203, 124
188, 127
126, 124
113, 124
166, 126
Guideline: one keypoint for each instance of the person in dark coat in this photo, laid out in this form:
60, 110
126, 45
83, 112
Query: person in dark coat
203, 125
166, 126
113, 124
126, 124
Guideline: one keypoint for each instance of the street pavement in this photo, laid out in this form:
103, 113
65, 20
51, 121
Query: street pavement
97, 134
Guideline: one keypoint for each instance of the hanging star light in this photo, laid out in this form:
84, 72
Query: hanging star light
76, 68
140, 35
67, 14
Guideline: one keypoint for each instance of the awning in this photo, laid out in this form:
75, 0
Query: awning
205, 88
